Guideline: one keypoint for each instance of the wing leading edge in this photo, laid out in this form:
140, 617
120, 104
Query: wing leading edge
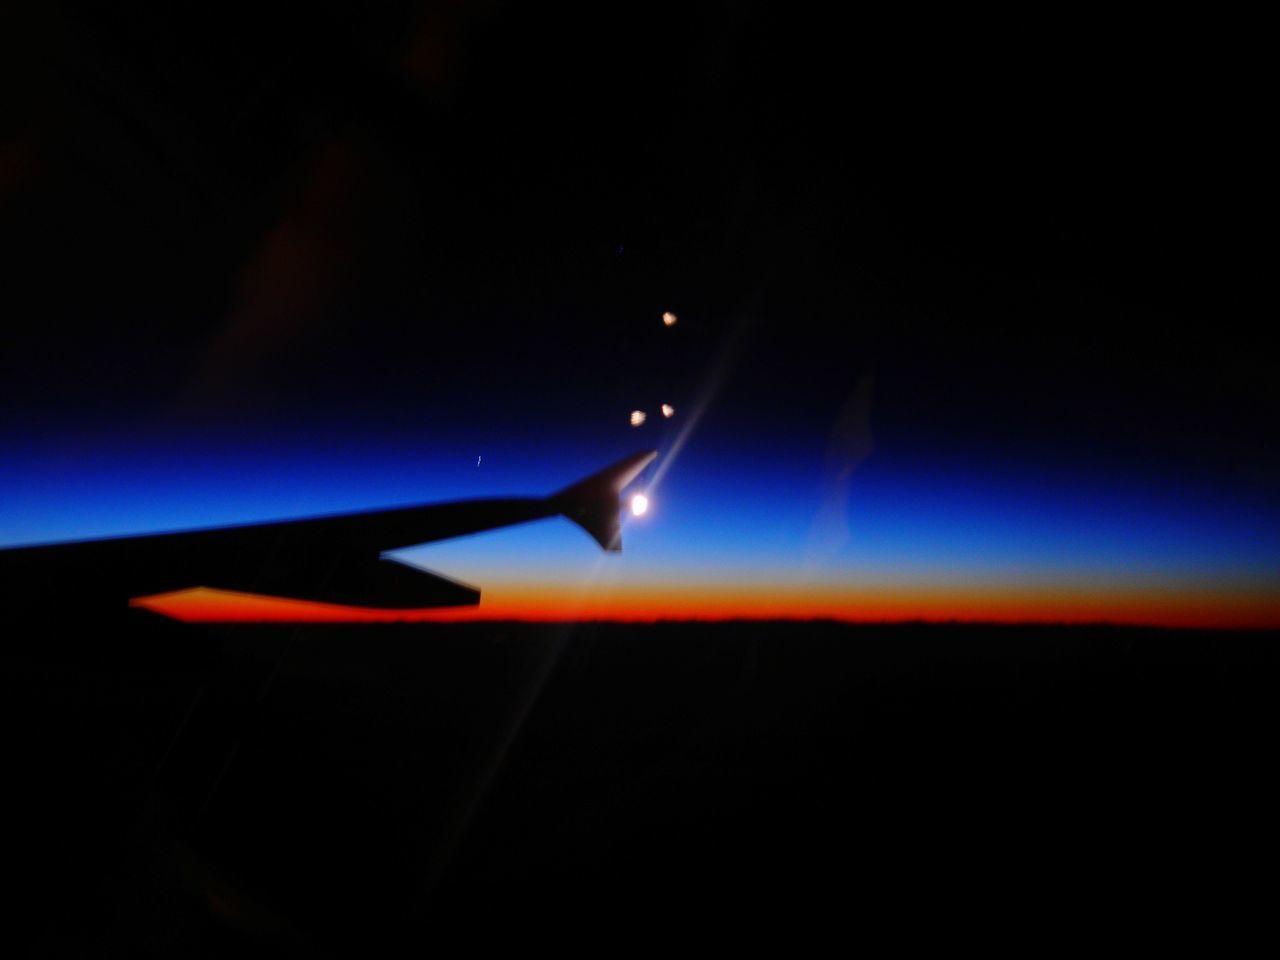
333, 559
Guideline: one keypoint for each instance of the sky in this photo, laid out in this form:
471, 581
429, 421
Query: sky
967, 328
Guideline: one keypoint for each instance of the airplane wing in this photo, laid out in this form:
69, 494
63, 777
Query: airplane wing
332, 559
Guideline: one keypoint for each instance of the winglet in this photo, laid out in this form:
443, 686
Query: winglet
594, 503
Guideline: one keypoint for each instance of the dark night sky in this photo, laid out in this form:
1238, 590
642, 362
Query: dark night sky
972, 328
973, 319
434, 223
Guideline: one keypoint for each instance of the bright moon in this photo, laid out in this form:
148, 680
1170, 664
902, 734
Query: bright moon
639, 504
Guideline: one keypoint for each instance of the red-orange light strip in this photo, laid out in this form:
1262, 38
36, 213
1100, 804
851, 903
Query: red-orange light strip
1184, 607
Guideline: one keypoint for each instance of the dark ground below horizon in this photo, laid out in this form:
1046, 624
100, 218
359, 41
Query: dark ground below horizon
213, 791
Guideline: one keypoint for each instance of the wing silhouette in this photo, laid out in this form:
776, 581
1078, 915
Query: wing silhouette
331, 559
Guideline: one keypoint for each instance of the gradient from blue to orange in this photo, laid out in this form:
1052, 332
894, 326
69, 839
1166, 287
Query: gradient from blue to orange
236, 299
733, 531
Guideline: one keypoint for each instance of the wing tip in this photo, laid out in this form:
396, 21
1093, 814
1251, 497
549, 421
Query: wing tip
594, 503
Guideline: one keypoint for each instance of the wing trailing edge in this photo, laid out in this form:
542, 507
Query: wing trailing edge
380, 583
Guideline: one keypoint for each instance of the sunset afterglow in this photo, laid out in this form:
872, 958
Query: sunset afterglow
1192, 606
737, 536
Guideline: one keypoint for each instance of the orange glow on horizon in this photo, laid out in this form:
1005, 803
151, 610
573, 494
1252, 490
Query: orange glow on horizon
642, 603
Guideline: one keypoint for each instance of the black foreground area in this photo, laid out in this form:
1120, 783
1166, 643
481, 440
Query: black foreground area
220, 791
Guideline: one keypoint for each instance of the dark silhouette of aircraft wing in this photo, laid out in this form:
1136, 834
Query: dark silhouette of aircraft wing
331, 559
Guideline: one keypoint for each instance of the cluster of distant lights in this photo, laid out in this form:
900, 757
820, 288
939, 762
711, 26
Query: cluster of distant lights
638, 417
639, 502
